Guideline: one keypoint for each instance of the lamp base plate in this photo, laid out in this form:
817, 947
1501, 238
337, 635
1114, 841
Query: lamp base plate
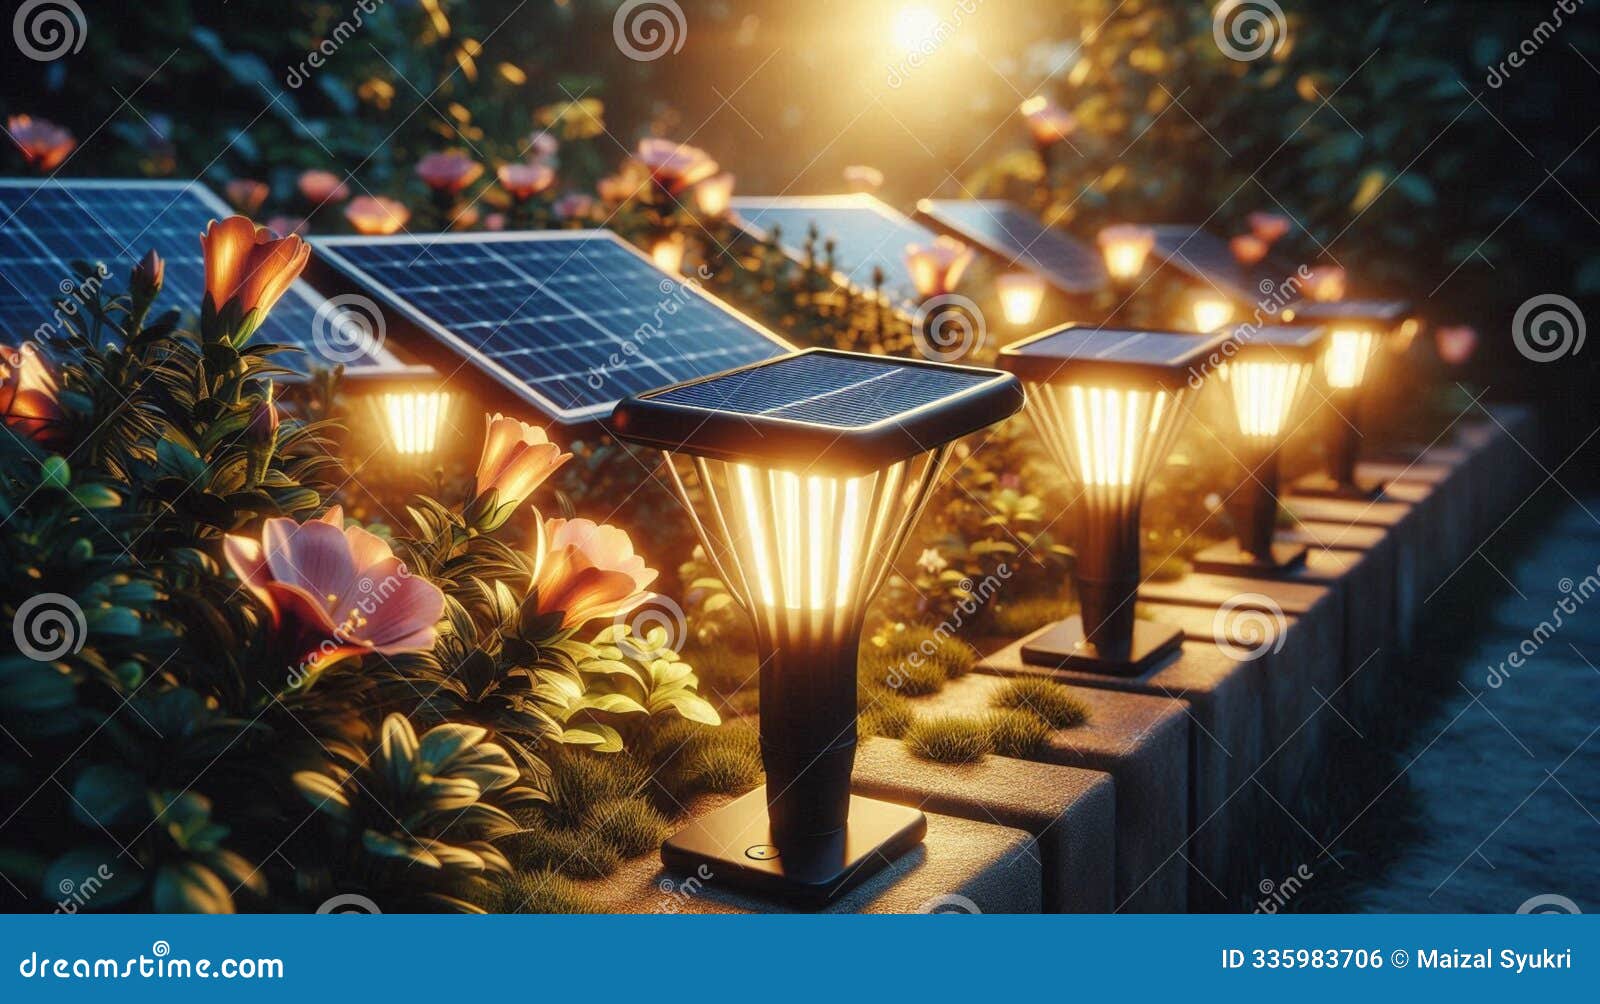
1230, 559
1064, 647
735, 844
1320, 486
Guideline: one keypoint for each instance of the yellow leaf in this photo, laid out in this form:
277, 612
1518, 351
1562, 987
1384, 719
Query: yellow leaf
1371, 187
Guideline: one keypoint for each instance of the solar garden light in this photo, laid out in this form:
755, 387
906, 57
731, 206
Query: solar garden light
1356, 333
409, 404
803, 476
1125, 247
1211, 311
1266, 375
1107, 404
1021, 294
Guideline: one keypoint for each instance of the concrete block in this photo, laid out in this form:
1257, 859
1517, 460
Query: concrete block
961, 866
1143, 743
1070, 812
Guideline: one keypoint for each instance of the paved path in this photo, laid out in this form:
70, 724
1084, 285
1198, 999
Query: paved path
1506, 777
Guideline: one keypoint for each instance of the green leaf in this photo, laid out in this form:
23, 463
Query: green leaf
91, 878
104, 795
190, 887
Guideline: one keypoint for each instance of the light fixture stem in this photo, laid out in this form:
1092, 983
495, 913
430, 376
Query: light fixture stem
808, 737
1344, 441
1107, 576
1256, 503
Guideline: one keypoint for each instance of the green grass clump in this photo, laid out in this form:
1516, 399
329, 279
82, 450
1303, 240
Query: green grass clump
544, 892
574, 853
885, 713
728, 769
581, 778
1049, 701
632, 826
915, 661
1025, 616
949, 738
1018, 734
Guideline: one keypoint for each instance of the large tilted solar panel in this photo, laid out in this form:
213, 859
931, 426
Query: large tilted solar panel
1011, 232
866, 233
572, 321
1210, 260
45, 225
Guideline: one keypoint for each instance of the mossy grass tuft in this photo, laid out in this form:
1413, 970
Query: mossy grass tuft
727, 769
1015, 618
581, 778
1018, 734
1045, 699
885, 713
632, 826
914, 660
544, 892
949, 738
581, 854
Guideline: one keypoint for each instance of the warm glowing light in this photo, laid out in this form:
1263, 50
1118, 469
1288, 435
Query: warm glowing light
1020, 294
1265, 394
413, 419
714, 194
1109, 439
937, 268
1326, 283
1212, 312
668, 254
1125, 248
915, 29
1347, 356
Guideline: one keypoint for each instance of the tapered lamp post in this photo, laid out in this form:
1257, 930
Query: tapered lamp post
1350, 355
804, 476
1267, 376
1108, 405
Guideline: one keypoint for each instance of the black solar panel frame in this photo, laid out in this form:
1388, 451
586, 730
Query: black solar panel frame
1277, 343
935, 212
1025, 359
770, 440
470, 354
1246, 284
1381, 313
383, 359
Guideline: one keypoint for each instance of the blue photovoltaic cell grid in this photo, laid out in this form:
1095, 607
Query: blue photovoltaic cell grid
581, 321
46, 225
866, 235
1155, 348
1018, 236
825, 389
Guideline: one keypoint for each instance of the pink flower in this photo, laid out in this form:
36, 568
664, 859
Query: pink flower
674, 166
542, 148
448, 171
30, 404
494, 221
247, 194
524, 181
575, 206
516, 459
376, 215
585, 570
1048, 122
335, 592
936, 268
321, 187
1268, 227
1248, 249
44, 144
1456, 343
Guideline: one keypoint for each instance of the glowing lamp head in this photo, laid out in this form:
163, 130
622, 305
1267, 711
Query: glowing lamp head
1267, 373
936, 268
1325, 283
1356, 333
809, 470
409, 406
1211, 312
667, 253
1021, 294
1125, 247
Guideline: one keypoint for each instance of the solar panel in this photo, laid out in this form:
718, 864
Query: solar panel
45, 224
857, 411
1370, 311
1208, 258
570, 320
867, 234
1278, 342
1016, 235
1070, 349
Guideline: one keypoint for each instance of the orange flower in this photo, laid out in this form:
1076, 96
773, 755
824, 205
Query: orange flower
334, 591
30, 403
861, 178
246, 194
1268, 227
247, 270
448, 171
1248, 249
464, 218
584, 571
516, 459
714, 195
936, 268
376, 215
524, 181
320, 187
674, 166
1048, 122
44, 144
